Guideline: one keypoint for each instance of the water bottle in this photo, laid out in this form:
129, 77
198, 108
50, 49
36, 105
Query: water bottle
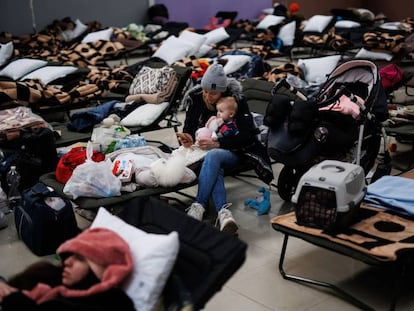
13, 180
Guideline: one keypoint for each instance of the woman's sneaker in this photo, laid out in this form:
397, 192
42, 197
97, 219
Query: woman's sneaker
196, 210
226, 220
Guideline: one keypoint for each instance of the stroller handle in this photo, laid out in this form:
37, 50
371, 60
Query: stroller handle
324, 101
292, 89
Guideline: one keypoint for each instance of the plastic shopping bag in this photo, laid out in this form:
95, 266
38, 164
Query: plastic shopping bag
93, 179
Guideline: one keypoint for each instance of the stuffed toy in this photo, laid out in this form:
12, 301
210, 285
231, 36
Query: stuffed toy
210, 129
261, 203
165, 172
111, 120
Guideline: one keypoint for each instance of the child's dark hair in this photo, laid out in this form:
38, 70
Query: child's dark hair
274, 29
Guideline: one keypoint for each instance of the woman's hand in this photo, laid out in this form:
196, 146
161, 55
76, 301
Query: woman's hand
185, 139
5, 290
207, 143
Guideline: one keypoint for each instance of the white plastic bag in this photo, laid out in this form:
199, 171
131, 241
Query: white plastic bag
93, 179
4, 202
106, 135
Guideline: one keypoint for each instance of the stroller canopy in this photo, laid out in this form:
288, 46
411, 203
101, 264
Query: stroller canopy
364, 73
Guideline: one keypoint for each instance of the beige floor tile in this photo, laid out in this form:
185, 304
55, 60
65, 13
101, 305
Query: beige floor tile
258, 285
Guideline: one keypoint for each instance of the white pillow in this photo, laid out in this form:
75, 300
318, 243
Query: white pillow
347, 24
216, 35
71, 34
287, 33
153, 255
268, 10
234, 62
204, 49
317, 69
173, 49
366, 54
6, 51
193, 38
391, 26
48, 74
144, 115
104, 35
20, 67
317, 23
151, 28
269, 20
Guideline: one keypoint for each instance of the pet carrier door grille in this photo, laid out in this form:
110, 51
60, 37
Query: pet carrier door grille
316, 207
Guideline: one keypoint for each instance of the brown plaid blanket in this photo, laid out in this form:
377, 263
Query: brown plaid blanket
377, 233
48, 45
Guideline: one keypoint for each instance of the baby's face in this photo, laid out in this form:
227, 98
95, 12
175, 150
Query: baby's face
224, 112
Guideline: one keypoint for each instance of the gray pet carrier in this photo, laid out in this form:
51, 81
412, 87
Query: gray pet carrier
329, 194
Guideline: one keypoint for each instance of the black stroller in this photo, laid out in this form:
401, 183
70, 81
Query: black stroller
341, 122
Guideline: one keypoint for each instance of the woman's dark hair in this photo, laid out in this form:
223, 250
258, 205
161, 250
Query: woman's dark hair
39, 272
280, 10
274, 29
158, 10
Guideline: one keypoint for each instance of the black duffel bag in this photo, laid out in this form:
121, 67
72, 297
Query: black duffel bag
44, 219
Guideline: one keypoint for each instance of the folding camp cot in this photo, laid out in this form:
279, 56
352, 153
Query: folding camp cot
372, 239
167, 119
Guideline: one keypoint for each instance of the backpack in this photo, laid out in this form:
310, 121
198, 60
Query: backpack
391, 75
34, 154
44, 219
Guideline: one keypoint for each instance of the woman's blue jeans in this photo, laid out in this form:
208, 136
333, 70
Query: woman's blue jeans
211, 177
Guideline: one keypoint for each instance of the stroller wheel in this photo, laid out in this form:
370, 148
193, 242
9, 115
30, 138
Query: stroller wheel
287, 181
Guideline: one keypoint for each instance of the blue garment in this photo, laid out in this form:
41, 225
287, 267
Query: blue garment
84, 121
211, 177
393, 193
276, 44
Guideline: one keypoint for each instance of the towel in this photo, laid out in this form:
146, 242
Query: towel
393, 193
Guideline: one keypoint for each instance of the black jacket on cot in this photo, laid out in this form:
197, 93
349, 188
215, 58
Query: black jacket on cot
110, 300
245, 142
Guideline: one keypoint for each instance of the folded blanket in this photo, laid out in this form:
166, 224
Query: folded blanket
393, 193
84, 121
191, 154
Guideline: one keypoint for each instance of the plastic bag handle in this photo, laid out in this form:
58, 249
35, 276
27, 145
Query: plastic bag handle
89, 151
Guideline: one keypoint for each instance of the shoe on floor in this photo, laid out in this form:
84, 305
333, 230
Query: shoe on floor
196, 210
226, 220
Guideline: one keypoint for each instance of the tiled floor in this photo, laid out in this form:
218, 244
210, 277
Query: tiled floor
258, 285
